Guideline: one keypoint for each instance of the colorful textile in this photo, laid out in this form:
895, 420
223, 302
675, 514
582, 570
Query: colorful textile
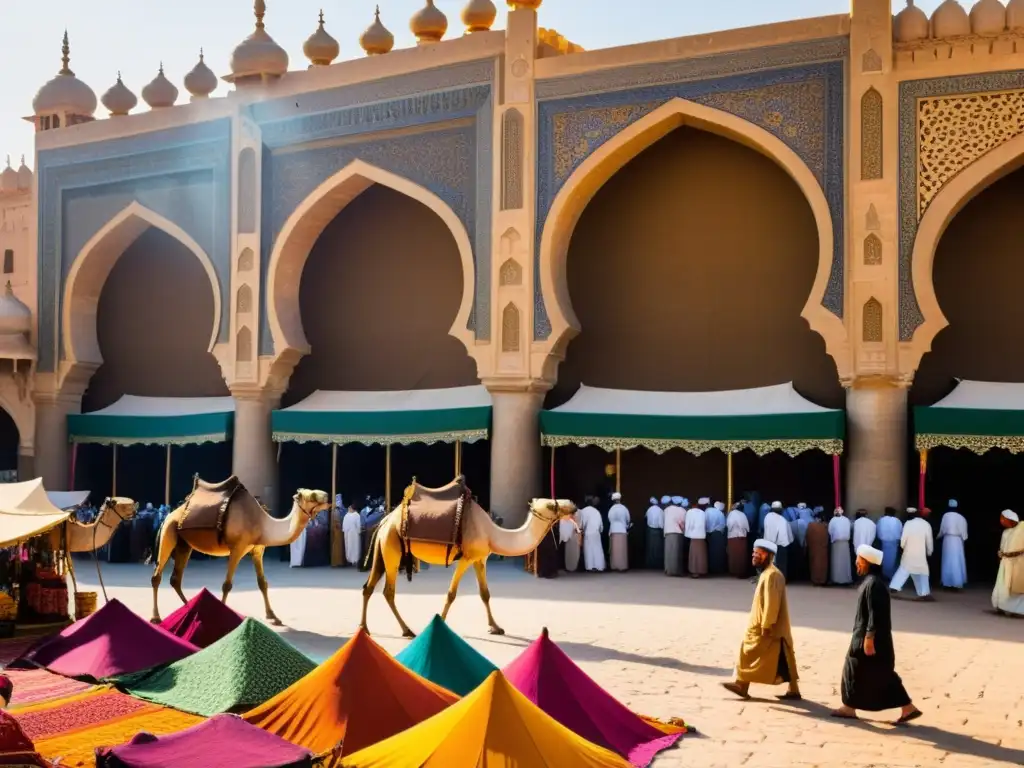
442, 657
495, 726
113, 641
32, 686
360, 695
13, 647
202, 621
238, 672
550, 679
222, 740
16, 749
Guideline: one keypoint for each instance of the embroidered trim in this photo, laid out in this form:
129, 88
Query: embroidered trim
980, 444
793, 447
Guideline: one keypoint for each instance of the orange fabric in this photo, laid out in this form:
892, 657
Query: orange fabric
359, 696
493, 727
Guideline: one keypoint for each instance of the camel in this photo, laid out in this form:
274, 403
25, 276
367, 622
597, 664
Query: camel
480, 537
88, 537
247, 528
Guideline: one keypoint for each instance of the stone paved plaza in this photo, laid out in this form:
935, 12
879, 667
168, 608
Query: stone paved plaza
662, 646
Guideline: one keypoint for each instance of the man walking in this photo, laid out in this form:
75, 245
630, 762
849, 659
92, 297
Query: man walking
917, 548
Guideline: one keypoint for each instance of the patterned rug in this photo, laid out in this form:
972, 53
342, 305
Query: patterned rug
33, 686
12, 647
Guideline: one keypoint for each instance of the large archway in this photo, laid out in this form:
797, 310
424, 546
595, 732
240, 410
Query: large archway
10, 441
688, 271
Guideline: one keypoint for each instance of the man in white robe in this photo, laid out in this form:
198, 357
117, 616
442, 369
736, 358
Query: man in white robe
738, 528
695, 531
351, 529
864, 530
655, 544
592, 526
841, 558
619, 523
715, 522
569, 537
675, 519
779, 533
953, 533
1008, 593
917, 547
889, 531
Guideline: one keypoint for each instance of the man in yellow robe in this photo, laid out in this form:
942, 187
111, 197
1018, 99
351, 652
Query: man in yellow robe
766, 654
1008, 594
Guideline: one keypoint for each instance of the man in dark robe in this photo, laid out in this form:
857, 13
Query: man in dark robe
817, 550
870, 681
548, 560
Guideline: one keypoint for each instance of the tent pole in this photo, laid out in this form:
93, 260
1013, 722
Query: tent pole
113, 483
618, 470
458, 458
387, 478
334, 472
922, 479
167, 477
728, 489
553, 472
74, 459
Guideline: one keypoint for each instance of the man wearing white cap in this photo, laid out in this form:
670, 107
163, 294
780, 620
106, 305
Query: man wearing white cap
716, 525
738, 527
917, 548
778, 532
953, 533
592, 525
870, 681
351, 527
569, 536
766, 653
655, 544
696, 538
889, 531
675, 519
839, 532
619, 523
1008, 595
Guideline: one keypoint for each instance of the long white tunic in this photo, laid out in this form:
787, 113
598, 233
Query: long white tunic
777, 530
839, 529
618, 519
737, 525
863, 532
298, 549
917, 546
715, 520
566, 529
953, 532
655, 517
351, 525
593, 551
694, 526
675, 518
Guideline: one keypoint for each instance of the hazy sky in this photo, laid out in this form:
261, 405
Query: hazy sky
134, 36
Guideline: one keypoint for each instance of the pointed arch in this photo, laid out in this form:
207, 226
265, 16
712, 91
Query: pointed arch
92, 266
305, 225
611, 156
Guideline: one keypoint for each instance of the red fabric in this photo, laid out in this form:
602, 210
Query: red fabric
12, 737
113, 641
550, 679
202, 621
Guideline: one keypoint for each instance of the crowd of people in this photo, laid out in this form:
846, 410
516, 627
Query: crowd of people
702, 539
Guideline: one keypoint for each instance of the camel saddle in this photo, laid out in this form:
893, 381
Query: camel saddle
435, 515
207, 507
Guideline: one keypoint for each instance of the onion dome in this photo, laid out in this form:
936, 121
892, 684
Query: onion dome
24, 175
376, 39
479, 15
15, 317
988, 17
321, 49
118, 99
160, 92
950, 20
9, 178
201, 81
910, 24
428, 24
65, 93
258, 56
1015, 15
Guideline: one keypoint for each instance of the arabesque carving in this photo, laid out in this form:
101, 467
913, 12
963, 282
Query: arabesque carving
871, 135
872, 251
510, 328
246, 261
872, 321
511, 273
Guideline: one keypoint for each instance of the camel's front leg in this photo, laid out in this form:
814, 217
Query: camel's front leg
168, 543
485, 595
453, 588
182, 553
233, 560
261, 580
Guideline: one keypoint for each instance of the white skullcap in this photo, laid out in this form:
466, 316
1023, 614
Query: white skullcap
911, 510
953, 504
776, 505
768, 546
801, 505
838, 511
684, 502
704, 500
616, 496
654, 502
870, 554
666, 499
1009, 514
677, 500
719, 506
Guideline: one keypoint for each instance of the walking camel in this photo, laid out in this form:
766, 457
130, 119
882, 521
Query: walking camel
225, 520
404, 535
88, 537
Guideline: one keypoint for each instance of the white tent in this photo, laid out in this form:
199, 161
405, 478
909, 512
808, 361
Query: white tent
26, 511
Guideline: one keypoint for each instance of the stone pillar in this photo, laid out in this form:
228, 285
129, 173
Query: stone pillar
876, 461
26, 466
53, 452
515, 453
254, 460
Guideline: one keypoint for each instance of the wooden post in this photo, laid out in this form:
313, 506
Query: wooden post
167, 477
113, 482
728, 482
334, 472
387, 478
618, 470
553, 472
458, 458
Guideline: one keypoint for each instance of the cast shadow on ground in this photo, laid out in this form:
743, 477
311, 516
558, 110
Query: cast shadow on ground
596, 653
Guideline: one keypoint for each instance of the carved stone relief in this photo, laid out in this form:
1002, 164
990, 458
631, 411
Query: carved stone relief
872, 251
872, 223
511, 273
243, 345
243, 303
246, 261
510, 241
512, 160
247, 191
871, 135
872, 322
510, 328
870, 61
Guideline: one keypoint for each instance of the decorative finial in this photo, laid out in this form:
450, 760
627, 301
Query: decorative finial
8, 161
200, 54
260, 9
161, 70
65, 58
8, 289
22, 159
321, 18
376, 13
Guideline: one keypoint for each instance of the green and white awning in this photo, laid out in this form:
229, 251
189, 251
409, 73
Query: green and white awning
765, 419
978, 415
455, 414
156, 421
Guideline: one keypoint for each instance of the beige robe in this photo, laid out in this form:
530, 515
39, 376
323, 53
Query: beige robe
759, 654
1008, 594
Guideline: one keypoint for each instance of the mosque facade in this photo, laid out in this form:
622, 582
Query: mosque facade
810, 201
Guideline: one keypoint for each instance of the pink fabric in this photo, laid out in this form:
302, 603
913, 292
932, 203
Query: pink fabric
113, 641
550, 679
221, 740
202, 621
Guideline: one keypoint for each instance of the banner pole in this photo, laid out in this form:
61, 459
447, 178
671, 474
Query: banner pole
113, 483
167, 477
387, 478
728, 481
618, 470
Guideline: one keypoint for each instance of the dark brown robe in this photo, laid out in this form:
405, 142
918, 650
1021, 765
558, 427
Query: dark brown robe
817, 552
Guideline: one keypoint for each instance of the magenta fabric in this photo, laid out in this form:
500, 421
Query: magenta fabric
113, 641
221, 740
202, 621
550, 679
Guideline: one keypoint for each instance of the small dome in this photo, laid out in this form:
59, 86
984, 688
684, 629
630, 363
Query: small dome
15, 317
988, 17
950, 20
201, 81
118, 99
479, 15
160, 92
24, 175
376, 39
65, 92
258, 55
321, 49
428, 24
9, 178
910, 24
1015, 14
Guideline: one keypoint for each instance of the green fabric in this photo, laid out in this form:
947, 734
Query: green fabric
240, 671
152, 430
444, 658
444, 425
968, 421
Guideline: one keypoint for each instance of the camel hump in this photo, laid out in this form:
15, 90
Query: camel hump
209, 504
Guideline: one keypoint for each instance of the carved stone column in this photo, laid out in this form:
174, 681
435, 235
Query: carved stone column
515, 450
254, 457
53, 452
876, 460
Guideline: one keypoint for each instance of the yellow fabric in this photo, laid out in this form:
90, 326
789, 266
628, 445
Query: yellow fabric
1011, 569
759, 653
493, 727
26, 511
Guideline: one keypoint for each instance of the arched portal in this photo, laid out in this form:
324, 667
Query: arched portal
9, 444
